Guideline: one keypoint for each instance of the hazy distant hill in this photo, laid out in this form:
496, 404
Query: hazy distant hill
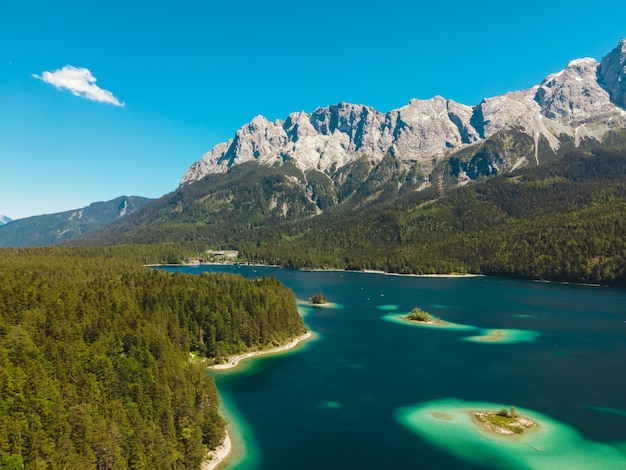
4, 219
52, 229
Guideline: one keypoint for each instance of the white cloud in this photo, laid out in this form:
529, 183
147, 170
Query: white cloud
80, 82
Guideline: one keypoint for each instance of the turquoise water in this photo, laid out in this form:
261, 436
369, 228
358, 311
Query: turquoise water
362, 393
447, 424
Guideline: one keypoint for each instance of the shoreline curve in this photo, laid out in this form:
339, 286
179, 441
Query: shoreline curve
218, 455
233, 361
224, 450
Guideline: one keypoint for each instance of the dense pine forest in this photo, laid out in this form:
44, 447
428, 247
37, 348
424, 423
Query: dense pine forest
95, 363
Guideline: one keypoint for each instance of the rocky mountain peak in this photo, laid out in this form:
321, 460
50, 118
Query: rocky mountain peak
574, 94
513, 109
340, 117
612, 74
428, 128
260, 139
581, 101
298, 126
333, 136
351, 123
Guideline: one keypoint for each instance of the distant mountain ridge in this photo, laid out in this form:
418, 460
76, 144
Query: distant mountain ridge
4, 219
529, 184
53, 229
584, 100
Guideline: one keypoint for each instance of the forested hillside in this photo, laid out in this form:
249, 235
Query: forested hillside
562, 221
213, 210
55, 229
95, 368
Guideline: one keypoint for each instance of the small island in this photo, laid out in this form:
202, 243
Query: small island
418, 315
422, 319
504, 421
478, 433
318, 299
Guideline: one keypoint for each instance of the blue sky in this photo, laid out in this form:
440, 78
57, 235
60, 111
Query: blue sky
172, 79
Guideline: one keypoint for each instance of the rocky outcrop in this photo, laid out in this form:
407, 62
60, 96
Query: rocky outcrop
331, 137
426, 128
584, 100
612, 74
334, 136
574, 94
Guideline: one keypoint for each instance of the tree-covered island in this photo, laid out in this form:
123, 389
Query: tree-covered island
418, 315
318, 299
504, 421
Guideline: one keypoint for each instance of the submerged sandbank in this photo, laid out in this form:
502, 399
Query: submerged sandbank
451, 426
503, 336
484, 335
436, 323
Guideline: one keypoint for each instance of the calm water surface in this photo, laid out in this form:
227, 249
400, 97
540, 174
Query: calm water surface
335, 403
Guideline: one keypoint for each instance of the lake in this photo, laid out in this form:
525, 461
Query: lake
370, 391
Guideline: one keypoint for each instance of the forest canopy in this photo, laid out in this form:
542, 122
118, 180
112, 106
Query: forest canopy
95, 368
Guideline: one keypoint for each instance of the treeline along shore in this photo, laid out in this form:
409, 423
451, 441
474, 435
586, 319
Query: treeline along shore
95, 355
559, 221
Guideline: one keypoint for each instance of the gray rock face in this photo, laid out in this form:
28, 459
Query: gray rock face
583, 100
612, 74
424, 129
334, 136
514, 109
574, 94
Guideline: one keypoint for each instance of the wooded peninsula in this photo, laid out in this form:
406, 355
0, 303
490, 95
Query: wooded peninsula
95, 355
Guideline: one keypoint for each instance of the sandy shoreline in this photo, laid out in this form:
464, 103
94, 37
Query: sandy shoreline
375, 271
364, 271
218, 455
221, 453
432, 322
233, 361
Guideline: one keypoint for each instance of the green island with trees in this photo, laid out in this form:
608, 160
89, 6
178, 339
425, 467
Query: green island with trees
318, 299
95, 355
504, 421
421, 316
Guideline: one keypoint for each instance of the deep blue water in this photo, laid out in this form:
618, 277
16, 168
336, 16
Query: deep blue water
334, 403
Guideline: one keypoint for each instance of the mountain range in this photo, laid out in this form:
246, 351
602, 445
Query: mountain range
53, 229
583, 101
433, 187
4, 219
